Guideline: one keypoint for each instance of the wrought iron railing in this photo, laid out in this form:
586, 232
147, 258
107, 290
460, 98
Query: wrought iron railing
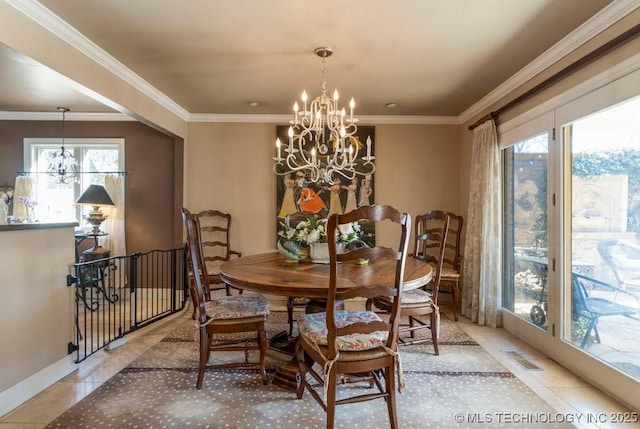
118, 295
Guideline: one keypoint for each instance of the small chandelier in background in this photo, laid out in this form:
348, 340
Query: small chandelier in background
329, 132
63, 166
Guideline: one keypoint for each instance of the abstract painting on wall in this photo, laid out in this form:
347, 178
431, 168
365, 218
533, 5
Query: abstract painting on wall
299, 197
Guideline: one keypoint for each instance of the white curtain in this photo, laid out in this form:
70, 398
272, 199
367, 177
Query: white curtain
23, 188
114, 225
482, 288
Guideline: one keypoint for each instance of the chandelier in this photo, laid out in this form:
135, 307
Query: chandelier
63, 166
322, 141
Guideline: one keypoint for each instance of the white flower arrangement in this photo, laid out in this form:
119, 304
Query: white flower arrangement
312, 230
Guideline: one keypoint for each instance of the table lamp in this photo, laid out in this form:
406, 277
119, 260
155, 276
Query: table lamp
95, 196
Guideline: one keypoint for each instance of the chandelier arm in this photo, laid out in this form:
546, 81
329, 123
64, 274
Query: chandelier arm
301, 141
346, 173
368, 172
314, 173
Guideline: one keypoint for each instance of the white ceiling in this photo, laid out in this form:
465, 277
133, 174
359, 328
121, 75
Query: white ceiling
431, 57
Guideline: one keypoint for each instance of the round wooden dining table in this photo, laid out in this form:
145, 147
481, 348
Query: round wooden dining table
271, 273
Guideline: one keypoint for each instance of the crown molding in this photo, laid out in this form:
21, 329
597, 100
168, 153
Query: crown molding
612, 13
53, 23
250, 118
409, 120
70, 116
372, 119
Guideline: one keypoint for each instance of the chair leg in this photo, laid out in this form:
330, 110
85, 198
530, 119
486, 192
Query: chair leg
302, 368
434, 330
290, 314
587, 334
412, 332
332, 387
390, 383
456, 300
595, 330
262, 343
204, 356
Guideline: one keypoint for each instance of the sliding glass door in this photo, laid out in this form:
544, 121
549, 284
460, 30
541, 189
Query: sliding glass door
526, 179
526, 232
571, 234
602, 152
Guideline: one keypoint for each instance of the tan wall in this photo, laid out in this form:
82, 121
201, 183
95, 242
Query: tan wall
229, 167
37, 315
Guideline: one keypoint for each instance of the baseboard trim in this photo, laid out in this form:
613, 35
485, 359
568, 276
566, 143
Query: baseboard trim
20, 393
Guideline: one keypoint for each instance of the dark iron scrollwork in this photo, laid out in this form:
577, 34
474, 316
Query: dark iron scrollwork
92, 282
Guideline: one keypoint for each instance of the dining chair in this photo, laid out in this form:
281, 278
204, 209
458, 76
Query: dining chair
422, 301
452, 262
623, 257
342, 341
214, 227
232, 314
592, 299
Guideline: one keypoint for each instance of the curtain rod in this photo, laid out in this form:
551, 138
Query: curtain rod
26, 173
571, 68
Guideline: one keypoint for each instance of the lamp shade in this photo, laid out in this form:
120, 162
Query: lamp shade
95, 195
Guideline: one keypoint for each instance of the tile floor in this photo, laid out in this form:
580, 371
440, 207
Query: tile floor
564, 391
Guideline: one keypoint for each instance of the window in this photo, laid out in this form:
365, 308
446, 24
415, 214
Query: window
571, 181
525, 228
96, 158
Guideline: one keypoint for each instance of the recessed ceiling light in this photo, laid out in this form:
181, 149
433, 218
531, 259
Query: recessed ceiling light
391, 105
254, 103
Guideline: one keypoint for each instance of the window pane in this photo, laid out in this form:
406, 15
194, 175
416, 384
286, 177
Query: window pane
56, 201
525, 229
605, 236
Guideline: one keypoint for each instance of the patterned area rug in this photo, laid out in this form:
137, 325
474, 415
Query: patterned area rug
463, 387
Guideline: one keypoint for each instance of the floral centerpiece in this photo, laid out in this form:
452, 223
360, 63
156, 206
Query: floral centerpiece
30, 206
313, 233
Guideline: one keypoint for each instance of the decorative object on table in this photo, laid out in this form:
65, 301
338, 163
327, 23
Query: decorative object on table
322, 140
292, 250
23, 188
29, 205
6, 196
63, 166
95, 196
312, 232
